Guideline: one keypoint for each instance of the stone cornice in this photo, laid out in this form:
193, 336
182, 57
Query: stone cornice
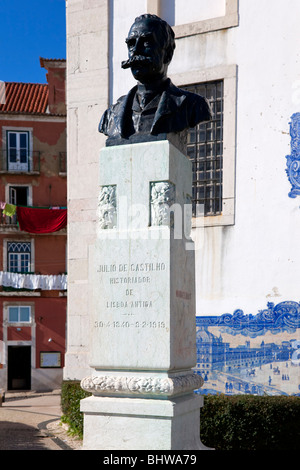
141, 386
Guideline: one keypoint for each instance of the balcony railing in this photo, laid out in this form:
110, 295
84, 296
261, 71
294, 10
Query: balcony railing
29, 163
8, 222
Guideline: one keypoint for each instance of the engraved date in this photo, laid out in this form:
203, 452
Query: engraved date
128, 324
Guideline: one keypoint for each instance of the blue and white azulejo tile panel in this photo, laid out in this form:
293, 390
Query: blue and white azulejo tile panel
250, 354
293, 160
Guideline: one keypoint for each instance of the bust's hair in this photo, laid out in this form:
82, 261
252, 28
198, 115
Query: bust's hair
166, 30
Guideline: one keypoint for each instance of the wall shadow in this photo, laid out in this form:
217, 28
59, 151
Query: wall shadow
19, 436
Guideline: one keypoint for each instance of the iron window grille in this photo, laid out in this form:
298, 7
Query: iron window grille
205, 149
19, 257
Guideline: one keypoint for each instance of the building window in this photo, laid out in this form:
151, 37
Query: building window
17, 150
225, 78
18, 195
19, 314
19, 257
205, 149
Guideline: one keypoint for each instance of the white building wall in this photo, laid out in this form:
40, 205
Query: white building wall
87, 97
255, 258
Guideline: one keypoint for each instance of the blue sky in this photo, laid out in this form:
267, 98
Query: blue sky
30, 29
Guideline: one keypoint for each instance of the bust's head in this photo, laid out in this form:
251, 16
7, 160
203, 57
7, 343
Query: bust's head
151, 45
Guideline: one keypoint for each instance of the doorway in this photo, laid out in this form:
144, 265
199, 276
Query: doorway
18, 196
19, 368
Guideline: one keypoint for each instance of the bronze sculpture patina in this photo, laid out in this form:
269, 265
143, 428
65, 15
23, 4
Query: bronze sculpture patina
155, 108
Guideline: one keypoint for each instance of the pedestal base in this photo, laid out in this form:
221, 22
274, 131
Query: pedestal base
112, 423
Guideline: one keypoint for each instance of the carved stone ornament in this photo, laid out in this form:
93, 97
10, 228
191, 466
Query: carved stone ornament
107, 207
116, 385
293, 160
162, 196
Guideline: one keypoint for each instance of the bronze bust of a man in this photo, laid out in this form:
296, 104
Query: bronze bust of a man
155, 108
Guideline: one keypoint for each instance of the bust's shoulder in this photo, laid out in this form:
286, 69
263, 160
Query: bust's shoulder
114, 106
109, 114
121, 101
190, 96
198, 106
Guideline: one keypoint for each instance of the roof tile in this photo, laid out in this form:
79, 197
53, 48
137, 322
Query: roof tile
25, 98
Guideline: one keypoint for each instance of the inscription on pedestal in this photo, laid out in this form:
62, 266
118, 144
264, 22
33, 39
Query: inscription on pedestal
122, 284
131, 320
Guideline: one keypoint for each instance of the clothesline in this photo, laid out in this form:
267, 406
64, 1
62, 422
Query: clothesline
33, 281
37, 219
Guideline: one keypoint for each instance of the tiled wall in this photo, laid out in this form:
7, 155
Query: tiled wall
250, 354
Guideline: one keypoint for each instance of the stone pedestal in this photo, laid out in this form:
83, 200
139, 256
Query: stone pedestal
143, 333
142, 424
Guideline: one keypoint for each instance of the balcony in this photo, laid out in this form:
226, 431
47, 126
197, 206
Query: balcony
8, 223
26, 163
35, 220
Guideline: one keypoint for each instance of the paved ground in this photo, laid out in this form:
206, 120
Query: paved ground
31, 421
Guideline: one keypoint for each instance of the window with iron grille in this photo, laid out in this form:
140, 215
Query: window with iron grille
205, 149
19, 257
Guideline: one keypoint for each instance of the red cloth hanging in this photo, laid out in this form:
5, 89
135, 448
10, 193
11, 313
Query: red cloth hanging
35, 220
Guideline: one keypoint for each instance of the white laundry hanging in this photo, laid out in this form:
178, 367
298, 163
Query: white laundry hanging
33, 281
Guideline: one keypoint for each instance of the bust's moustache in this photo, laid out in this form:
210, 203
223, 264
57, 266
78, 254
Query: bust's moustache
136, 60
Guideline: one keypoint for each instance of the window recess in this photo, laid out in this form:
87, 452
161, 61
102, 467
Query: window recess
205, 149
